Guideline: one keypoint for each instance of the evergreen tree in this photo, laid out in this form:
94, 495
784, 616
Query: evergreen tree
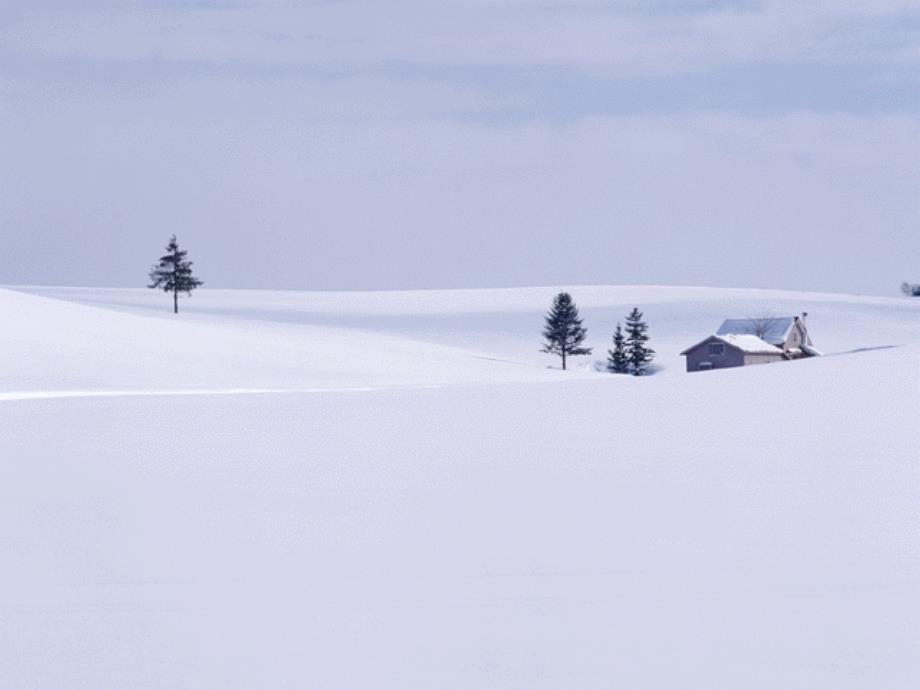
563, 330
638, 354
617, 361
174, 274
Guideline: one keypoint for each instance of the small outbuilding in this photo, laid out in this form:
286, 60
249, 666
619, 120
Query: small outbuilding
740, 342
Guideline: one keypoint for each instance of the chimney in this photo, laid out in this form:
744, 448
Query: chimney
806, 340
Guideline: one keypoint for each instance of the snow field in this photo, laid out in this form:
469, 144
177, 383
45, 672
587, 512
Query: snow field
475, 521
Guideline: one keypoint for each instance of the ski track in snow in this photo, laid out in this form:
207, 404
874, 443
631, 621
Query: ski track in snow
12, 396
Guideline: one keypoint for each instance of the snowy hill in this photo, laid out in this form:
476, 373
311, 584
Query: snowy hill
401, 493
52, 345
127, 339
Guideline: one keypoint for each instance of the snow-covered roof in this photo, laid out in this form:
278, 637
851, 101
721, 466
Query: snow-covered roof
774, 330
749, 344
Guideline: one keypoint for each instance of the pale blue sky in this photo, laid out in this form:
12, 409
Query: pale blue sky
478, 143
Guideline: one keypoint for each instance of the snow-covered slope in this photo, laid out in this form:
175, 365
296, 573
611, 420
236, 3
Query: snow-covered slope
94, 338
55, 345
476, 520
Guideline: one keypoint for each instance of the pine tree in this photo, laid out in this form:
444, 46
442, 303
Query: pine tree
617, 362
563, 330
174, 274
638, 354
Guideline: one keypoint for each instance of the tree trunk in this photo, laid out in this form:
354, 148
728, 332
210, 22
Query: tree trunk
175, 301
563, 359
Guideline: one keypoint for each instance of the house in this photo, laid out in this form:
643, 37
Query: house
740, 342
788, 333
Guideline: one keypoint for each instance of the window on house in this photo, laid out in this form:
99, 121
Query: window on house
705, 366
716, 349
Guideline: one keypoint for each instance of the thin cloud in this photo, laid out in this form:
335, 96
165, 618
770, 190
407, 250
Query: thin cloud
677, 37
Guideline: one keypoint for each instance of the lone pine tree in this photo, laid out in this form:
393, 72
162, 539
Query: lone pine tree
638, 354
173, 273
617, 361
563, 330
